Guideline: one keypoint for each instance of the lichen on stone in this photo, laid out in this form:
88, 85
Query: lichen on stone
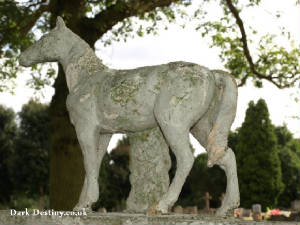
125, 91
90, 62
161, 79
190, 75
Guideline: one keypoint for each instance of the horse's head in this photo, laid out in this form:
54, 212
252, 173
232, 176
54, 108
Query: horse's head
50, 48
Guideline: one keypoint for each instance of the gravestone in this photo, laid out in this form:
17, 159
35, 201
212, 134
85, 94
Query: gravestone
178, 209
190, 210
256, 212
295, 205
221, 198
102, 210
149, 163
207, 201
246, 213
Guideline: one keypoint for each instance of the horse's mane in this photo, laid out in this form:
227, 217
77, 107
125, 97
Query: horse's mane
88, 60
91, 62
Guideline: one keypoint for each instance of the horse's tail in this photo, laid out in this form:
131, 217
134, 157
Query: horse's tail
227, 93
213, 128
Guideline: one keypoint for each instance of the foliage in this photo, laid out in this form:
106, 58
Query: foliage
233, 139
272, 62
258, 163
8, 130
22, 23
31, 159
290, 165
15, 22
20, 201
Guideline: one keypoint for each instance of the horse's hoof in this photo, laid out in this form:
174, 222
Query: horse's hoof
226, 210
157, 209
79, 208
221, 212
228, 206
152, 210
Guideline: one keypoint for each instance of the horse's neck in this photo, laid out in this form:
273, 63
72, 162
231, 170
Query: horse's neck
82, 67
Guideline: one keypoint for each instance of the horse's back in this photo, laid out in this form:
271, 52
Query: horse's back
128, 97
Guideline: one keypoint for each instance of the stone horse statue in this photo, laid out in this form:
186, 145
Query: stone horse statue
177, 97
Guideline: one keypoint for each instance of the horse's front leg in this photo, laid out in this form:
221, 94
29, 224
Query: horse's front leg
93, 146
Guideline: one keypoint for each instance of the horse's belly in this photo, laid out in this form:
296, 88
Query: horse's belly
131, 115
130, 119
123, 123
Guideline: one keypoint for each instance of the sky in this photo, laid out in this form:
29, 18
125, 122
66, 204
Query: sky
177, 44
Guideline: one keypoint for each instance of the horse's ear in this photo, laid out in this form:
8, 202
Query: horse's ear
60, 23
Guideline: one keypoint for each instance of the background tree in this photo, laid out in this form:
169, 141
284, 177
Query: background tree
31, 158
91, 20
114, 185
258, 163
201, 180
8, 130
290, 165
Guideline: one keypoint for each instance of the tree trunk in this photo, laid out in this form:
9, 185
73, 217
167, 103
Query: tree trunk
41, 199
149, 164
66, 164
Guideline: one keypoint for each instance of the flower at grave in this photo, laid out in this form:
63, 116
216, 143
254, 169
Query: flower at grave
274, 212
238, 213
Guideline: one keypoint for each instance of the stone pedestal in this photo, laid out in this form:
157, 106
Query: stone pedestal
127, 219
149, 164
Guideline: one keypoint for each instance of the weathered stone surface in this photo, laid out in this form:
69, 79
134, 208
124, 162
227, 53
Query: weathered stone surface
177, 97
128, 219
149, 165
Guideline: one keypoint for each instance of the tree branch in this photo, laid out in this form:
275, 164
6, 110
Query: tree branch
25, 27
106, 19
246, 50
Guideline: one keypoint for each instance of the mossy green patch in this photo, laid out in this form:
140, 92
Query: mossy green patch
161, 79
125, 91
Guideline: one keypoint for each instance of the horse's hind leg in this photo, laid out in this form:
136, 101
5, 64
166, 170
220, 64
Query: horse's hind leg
178, 107
178, 140
227, 162
212, 132
232, 197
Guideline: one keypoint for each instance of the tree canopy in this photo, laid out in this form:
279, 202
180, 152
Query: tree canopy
290, 165
258, 163
8, 131
22, 23
31, 159
24, 158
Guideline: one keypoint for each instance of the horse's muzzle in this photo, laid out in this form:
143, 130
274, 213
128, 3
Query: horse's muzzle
23, 61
